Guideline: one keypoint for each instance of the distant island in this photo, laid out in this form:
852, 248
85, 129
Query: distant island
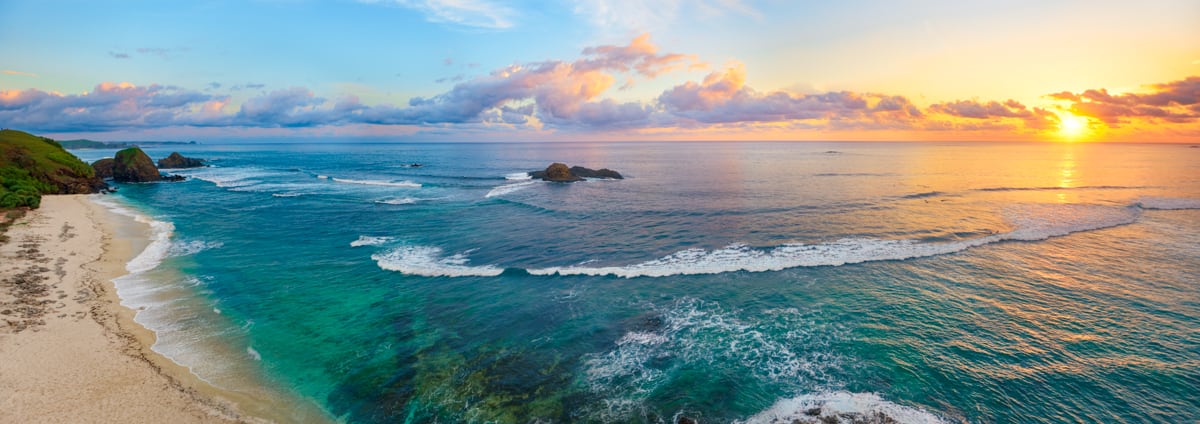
92, 144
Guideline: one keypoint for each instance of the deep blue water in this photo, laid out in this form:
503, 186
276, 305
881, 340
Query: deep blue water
720, 281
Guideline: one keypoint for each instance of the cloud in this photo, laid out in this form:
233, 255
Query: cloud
722, 98
640, 55
1035, 118
571, 96
153, 51
560, 91
639, 16
18, 73
160, 52
1175, 102
469, 13
108, 106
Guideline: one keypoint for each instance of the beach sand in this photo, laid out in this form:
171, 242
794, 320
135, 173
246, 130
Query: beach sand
69, 352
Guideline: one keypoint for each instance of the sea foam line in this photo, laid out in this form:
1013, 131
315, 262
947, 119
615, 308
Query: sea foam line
841, 406
509, 188
407, 184
430, 262
371, 241
1030, 222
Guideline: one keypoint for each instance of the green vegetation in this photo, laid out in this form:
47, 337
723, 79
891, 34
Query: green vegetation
84, 144
31, 166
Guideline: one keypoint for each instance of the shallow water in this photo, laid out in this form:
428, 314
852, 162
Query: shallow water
721, 281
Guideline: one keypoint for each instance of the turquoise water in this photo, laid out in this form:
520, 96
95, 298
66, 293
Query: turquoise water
719, 281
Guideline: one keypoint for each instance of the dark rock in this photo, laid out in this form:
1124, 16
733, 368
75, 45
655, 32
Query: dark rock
559, 172
133, 166
582, 172
685, 420
812, 412
176, 160
173, 178
104, 167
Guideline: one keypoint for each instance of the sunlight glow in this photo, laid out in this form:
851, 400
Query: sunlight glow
1071, 126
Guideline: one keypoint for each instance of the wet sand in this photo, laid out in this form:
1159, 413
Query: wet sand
69, 352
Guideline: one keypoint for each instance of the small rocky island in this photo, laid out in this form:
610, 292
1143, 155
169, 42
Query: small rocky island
559, 172
178, 161
132, 165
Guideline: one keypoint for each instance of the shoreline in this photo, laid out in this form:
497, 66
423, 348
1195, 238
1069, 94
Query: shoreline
69, 351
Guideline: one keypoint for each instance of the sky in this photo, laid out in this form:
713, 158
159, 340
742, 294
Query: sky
483, 70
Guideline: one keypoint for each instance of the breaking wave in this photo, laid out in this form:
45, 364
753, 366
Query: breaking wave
841, 407
1031, 222
399, 201
430, 262
407, 184
370, 241
1168, 203
191, 247
509, 188
780, 346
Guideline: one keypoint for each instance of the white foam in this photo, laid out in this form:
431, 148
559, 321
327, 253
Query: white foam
191, 247
1032, 222
518, 176
1168, 203
399, 201
322, 177
782, 346
844, 406
229, 177
370, 241
407, 184
509, 188
253, 353
286, 194
429, 262
160, 238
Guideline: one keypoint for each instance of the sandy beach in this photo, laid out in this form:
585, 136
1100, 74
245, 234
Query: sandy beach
69, 352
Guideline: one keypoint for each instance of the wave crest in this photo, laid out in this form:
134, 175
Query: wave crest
1168, 203
509, 188
841, 407
370, 241
399, 201
406, 184
430, 262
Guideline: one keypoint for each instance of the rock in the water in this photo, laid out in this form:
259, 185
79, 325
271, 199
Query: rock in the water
133, 166
104, 167
582, 172
176, 160
561, 173
173, 178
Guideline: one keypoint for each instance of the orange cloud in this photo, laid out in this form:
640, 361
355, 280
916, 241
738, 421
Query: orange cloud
1175, 102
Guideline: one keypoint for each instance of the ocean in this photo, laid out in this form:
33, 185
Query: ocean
722, 282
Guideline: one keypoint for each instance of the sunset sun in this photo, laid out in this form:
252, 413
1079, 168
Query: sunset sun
1071, 126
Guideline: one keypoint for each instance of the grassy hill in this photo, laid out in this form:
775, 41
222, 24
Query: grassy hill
31, 166
83, 144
